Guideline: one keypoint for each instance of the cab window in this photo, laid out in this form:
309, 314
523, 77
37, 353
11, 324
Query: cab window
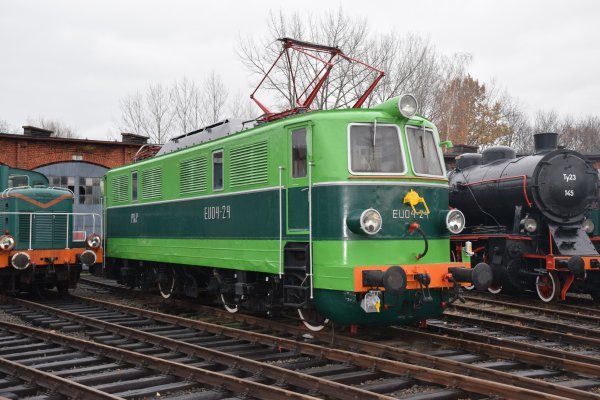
424, 152
18, 181
375, 149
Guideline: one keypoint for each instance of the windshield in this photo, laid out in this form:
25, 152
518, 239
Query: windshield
424, 152
375, 149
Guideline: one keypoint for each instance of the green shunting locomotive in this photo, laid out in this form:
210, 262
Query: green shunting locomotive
339, 215
39, 249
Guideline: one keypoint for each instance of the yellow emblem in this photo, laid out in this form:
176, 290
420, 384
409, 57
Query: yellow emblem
413, 199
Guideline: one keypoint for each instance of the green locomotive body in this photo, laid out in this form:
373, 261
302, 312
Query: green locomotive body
307, 212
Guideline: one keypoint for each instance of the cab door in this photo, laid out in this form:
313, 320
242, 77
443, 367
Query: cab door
298, 181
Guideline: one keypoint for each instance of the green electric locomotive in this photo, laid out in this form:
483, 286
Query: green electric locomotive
334, 215
342, 213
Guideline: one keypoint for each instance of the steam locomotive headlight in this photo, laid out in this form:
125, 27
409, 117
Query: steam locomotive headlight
371, 221
455, 221
530, 225
93, 241
7, 243
368, 221
588, 226
407, 105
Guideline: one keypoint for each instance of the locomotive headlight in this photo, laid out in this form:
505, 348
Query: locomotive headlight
530, 225
7, 243
588, 226
455, 221
93, 241
368, 221
407, 105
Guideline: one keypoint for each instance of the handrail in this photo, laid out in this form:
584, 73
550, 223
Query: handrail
32, 216
7, 191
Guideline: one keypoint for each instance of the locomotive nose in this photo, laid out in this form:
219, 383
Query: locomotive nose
565, 185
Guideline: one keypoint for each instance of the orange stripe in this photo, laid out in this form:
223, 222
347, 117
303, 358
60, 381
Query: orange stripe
37, 203
38, 257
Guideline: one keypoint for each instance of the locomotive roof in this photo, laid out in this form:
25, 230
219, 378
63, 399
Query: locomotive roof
227, 129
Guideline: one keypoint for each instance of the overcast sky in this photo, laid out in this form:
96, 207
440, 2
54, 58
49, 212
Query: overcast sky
74, 60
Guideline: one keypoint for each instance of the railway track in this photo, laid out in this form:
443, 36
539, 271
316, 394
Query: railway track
75, 368
575, 306
484, 361
555, 327
343, 368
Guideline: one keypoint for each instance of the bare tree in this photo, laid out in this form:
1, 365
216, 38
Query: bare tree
133, 115
520, 131
214, 99
580, 134
59, 128
187, 106
546, 121
411, 63
159, 110
333, 29
4, 127
240, 106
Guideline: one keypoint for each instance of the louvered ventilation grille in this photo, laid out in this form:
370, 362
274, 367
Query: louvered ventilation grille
120, 188
248, 165
151, 183
23, 229
192, 175
47, 230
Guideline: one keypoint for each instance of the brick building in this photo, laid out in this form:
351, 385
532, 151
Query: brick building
76, 164
36, 148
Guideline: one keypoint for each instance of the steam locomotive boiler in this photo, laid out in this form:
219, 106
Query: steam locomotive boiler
527, 217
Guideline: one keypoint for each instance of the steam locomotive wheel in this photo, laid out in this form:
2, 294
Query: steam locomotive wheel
229, 306
548, 286
314, 321
470, 287
494, 289
166, 283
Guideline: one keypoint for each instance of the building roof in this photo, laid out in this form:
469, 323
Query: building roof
66, 140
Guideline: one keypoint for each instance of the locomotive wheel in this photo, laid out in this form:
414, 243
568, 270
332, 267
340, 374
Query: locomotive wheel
166, 285
228, 305
469, 288
311, 319
494, 289
548, 286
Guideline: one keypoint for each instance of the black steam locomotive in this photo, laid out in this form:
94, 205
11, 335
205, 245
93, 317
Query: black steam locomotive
527, 218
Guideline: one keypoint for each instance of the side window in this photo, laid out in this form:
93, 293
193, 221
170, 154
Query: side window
218, 170
134, 186
299, 153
